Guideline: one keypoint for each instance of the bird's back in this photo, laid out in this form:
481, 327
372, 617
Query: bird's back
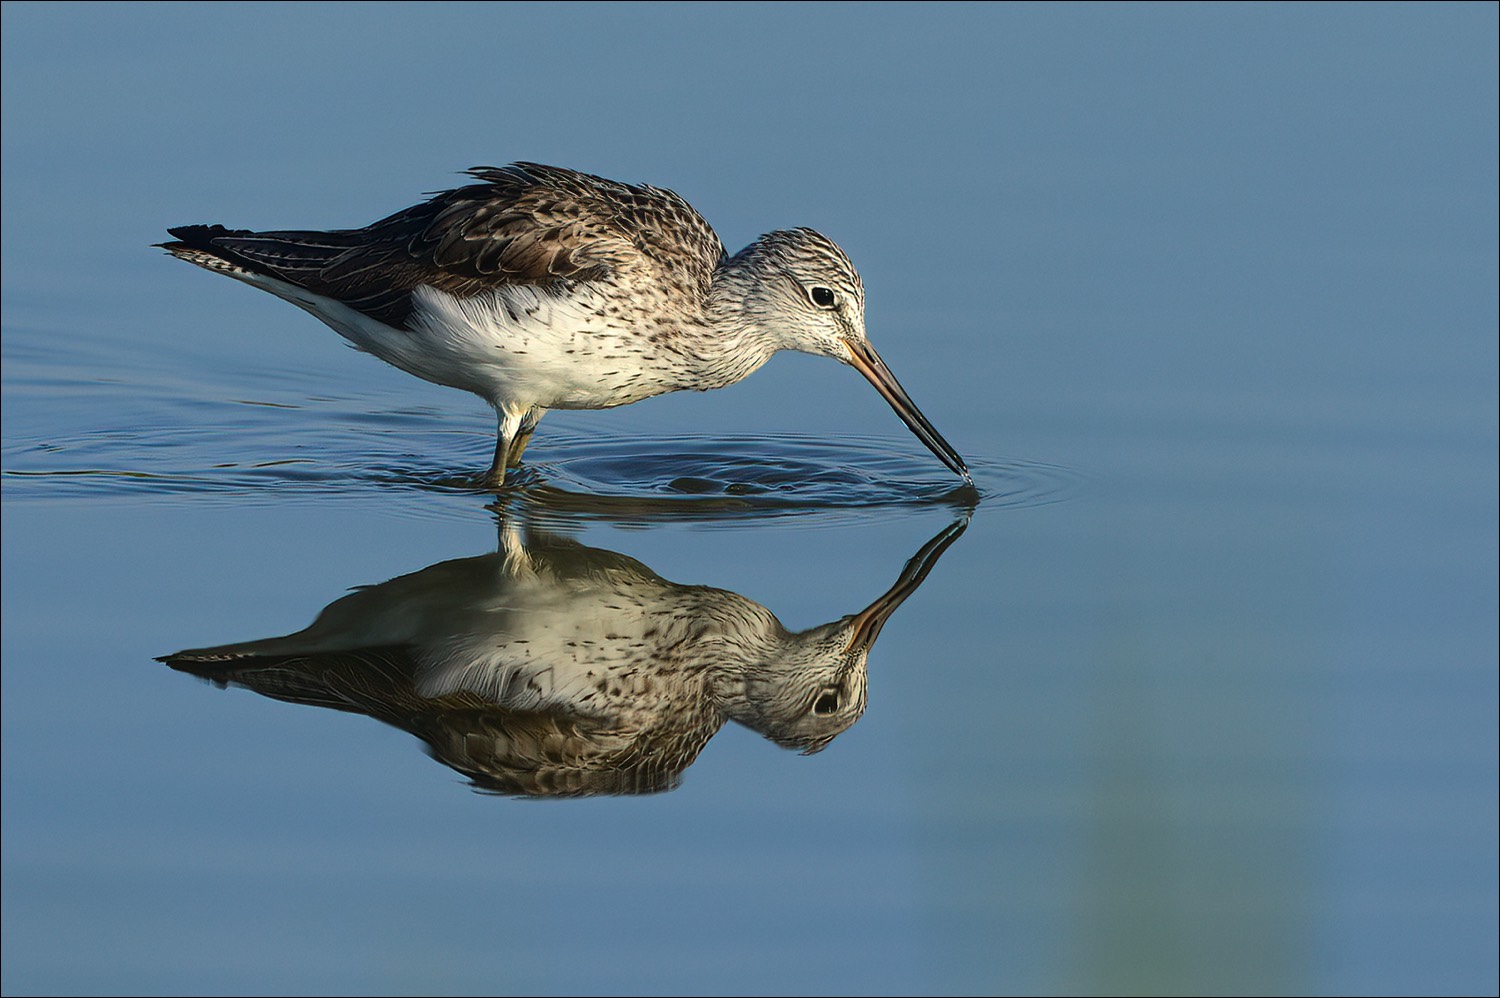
523, 224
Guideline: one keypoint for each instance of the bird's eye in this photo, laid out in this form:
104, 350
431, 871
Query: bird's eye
821, 296
826, 703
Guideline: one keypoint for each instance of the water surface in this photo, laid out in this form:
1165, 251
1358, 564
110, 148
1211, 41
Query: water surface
1193, 692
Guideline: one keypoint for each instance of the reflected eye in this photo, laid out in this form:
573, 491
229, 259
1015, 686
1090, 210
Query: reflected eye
827, 702
821, 296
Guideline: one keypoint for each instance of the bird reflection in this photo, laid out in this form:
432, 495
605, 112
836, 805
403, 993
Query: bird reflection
550, 668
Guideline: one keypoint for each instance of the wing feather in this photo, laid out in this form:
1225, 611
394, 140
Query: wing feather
520, 224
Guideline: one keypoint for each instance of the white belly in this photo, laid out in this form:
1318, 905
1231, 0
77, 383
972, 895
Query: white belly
526, 347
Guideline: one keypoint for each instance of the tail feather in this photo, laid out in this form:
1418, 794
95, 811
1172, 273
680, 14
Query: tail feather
297, 257
300, 259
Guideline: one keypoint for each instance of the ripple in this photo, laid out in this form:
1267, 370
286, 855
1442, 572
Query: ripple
703, 477
722, 479
742, 478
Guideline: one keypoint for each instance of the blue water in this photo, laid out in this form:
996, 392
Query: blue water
1198, 698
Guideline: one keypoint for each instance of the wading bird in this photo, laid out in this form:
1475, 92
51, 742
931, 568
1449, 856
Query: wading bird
544, 288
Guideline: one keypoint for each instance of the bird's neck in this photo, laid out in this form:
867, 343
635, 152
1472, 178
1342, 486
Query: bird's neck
739, 342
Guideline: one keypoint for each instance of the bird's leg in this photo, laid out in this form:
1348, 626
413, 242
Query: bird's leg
513, 434
495, 477
507, 430
523, 435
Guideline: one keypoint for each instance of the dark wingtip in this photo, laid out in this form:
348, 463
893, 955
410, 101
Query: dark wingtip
199, 244
199, 236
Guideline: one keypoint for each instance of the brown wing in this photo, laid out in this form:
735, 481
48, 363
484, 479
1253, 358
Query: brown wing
522, 224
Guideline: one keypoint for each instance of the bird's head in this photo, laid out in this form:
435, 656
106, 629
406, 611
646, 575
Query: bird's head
811, 691
802, 292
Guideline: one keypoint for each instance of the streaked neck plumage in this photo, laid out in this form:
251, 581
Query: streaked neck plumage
744, 340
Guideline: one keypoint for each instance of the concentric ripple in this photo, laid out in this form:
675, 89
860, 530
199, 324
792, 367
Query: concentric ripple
737, 477
242, 452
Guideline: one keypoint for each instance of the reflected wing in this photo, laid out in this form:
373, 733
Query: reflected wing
551, 752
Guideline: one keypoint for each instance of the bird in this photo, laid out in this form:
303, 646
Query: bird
540, 287
551, 668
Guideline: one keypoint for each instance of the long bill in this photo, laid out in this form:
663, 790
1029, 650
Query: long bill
867, 362
872, 618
